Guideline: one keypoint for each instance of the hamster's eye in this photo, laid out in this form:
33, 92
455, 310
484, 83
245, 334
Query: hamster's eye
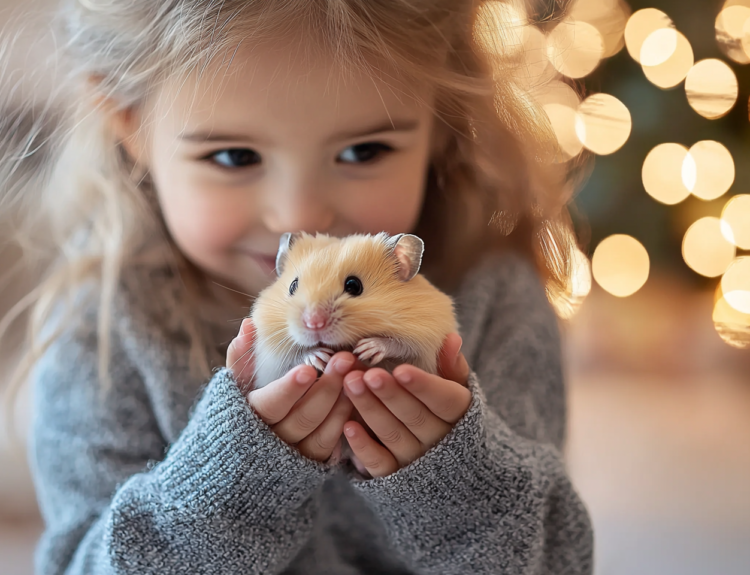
293, 287
353, 286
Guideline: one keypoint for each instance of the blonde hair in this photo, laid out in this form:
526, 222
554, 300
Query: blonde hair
490, 183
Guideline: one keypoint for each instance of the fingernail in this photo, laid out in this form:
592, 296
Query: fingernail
356, 386
374, 381
304, 377
458, 351
342, 365
349, 431
403, 377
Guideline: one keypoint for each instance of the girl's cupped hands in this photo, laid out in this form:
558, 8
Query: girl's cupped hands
305, 411
409, 411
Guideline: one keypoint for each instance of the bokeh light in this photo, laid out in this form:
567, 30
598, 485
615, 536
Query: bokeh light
556, 92
640, 26
705, 249
745, 41
575, 48
732, 325
500, 28
609, 17
620, 265
735, 284
568, 300
560, 102
736, 216
711, 88
659, 47
563, 120
730, 25
535, 68
603, 124
709, 170
569, 280
675, 68
662, 173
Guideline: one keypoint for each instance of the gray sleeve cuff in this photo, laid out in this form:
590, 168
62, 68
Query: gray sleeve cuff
227, 456
482, 501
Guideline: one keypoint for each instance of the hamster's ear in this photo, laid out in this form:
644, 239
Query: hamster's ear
408, 250
285, 244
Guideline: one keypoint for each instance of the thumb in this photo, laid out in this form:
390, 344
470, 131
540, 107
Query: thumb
452, 364
239, 354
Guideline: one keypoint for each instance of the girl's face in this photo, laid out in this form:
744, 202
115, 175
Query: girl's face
279, 143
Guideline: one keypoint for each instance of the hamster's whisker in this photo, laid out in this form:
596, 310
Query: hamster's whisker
252, 297
240, 358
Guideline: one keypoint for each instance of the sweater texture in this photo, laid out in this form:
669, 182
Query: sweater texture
161, 472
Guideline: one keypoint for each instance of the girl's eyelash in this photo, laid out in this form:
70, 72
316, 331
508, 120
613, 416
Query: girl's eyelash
363, 153
245, 156
370, 152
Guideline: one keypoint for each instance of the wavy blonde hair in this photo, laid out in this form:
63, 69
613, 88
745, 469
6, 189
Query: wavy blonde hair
490, 184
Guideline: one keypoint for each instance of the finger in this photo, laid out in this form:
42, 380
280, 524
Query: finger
274, 401
239, 354
445, 398
312, 409
451, 363
427, 427
401, 442
320, 444
378, 461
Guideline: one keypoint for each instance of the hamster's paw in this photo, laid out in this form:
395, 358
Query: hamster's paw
373, 349
318, 358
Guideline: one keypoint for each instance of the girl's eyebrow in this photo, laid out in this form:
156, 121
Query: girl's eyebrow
201, 137
387, 126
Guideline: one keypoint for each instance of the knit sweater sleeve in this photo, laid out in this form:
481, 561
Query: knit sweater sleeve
227, 497
493, 497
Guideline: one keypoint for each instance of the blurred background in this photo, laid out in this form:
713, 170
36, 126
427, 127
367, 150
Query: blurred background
649, 102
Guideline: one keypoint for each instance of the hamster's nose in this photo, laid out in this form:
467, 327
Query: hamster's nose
315, 319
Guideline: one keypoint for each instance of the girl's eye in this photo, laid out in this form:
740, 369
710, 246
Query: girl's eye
353, 286
362, 153
236, 158
293, 287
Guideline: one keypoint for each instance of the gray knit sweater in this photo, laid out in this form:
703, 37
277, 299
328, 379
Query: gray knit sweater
164, 473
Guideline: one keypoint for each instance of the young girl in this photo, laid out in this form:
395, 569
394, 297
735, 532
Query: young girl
200, 132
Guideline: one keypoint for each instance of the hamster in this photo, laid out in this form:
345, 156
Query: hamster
360, 293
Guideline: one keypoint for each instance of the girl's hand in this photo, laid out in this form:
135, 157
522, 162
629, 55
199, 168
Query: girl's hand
409, 412
307, 414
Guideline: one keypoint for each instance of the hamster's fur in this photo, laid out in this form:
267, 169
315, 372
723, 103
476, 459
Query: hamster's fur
399, 317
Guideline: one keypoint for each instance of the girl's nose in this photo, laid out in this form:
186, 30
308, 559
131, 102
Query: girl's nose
298, 208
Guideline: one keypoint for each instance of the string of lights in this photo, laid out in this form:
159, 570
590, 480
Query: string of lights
549, 57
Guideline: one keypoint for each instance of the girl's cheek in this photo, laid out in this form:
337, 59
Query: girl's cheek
216, 218
392, 205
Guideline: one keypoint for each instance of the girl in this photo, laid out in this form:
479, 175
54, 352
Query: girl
201, 131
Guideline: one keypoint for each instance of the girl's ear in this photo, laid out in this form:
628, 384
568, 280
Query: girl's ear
123, 122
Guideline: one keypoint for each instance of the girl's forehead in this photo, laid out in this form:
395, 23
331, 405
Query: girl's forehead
272, 83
